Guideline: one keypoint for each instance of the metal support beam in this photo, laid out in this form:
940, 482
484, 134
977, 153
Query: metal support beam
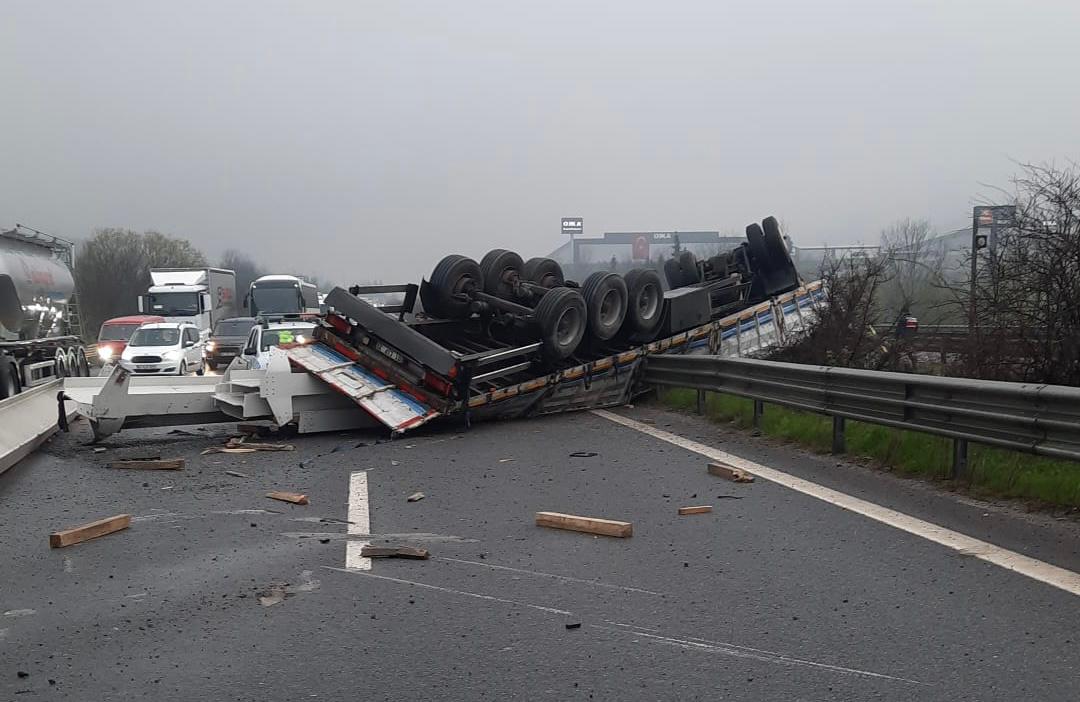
959, 458
839, 440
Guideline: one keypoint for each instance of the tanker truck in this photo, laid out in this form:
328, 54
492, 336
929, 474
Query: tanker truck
39, 327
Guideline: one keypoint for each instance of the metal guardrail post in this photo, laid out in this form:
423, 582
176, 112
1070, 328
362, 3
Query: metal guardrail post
839, 439
759, 410
959, 458
701, 402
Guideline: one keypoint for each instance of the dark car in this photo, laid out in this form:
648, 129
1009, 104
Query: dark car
227, 341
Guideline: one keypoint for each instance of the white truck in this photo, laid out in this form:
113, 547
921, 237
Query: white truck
281, 294
199, 296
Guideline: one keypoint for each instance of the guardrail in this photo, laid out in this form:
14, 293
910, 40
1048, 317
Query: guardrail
26, 421
1038, 419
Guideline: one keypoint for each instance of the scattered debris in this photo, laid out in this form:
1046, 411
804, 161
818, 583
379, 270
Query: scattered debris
149, 464
272, 597
395, 552
394, 463
729, 497
506, 460
184, 433
293, 497
100, 449
324, 541
19, 612
589, 525
700, 509
237, 474
575, 625
732, 473
584, 454
92, 530
241, 446
415, 497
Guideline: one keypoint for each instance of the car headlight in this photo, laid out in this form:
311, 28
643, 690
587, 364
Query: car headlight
301, 339
105, 352
210, 345
171, 355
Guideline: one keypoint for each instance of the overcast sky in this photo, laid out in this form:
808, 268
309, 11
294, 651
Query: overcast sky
362, 140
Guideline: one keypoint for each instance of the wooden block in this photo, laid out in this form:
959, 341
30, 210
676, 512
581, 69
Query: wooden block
293, 497
732, 473
589, 525
74, 535
395, 552
149, 464
701, 509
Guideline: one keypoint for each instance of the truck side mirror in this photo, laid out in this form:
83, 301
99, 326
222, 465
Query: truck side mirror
249, 351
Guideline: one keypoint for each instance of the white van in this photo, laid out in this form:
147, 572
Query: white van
165, 348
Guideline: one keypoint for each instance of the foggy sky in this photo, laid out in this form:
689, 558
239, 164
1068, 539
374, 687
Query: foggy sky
360, 140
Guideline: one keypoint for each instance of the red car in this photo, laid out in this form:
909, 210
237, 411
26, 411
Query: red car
114, 334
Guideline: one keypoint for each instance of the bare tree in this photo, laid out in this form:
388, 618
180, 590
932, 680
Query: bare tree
1026, 291
247, 271
113, 268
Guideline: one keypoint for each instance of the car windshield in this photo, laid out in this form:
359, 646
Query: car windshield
117, 332
155, 337
282, 298
233, 327
174, 304
276, 337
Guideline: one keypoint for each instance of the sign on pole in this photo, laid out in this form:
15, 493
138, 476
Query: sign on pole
572, 226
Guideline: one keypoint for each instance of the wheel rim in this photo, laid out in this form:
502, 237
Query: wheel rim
610, 307
567, 328
647, 302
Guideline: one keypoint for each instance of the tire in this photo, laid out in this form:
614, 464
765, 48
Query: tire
605, 300
673, 274
562, 319
81, 362
691, 275
644, 300
201, 370
500, 269
182, 370
211, 364
9, 380
61, 369
779, 256
759, 253
543, 271
455, 274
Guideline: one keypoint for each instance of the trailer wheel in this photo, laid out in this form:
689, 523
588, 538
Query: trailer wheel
779, 257
645, 300
562, 317
82, 364
9, 380
673, 274
453, 276
759, 253
60, 364
545, 272
605, 299
501, 268
690, 271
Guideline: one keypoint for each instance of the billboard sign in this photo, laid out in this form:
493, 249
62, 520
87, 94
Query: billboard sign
572, 226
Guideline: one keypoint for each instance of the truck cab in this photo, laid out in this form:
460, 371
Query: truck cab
198, 296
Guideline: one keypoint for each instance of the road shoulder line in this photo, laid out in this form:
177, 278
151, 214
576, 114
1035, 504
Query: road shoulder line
1058, 577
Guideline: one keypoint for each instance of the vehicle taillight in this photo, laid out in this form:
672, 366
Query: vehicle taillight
436, 383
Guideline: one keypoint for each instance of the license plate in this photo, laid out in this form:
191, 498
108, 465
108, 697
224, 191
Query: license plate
389, 352
144, 366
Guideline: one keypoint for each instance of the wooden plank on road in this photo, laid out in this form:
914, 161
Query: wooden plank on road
589, 525
85, 532
700, 509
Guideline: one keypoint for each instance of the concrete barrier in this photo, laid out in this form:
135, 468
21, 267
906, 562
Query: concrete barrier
26, 421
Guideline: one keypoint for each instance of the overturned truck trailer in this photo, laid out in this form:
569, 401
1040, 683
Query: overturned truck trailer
495, 339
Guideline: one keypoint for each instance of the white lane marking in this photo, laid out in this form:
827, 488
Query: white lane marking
1066, 580
565, 578
757, 654
359, 522
489, 598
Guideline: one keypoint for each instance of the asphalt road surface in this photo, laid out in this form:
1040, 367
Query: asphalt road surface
216, 592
